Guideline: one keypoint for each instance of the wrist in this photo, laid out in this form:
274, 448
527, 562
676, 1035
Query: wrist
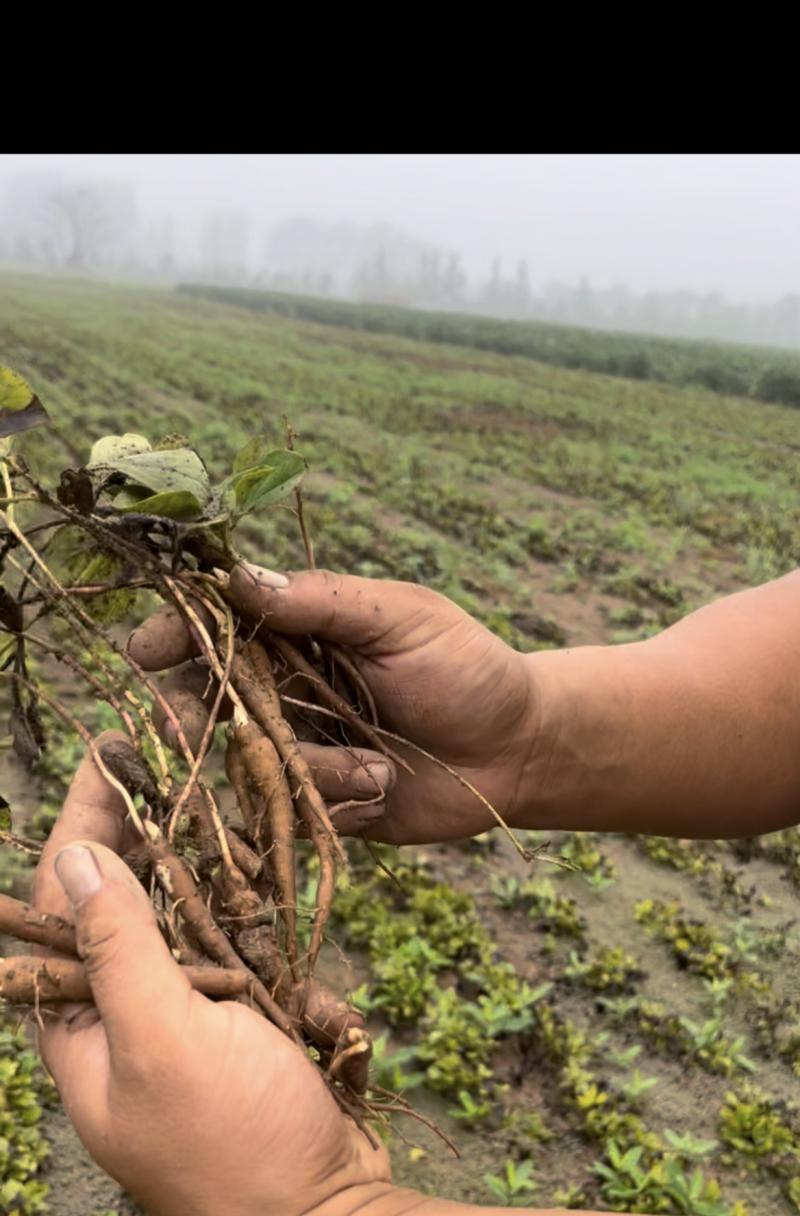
553, 772
371, 1199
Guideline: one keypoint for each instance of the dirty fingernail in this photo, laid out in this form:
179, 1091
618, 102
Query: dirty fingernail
78, 873
266, 578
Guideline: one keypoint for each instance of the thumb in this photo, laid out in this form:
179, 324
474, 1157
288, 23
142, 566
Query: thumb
136, 984
372, 615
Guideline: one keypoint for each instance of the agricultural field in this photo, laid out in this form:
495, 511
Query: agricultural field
763, 372
624, 1037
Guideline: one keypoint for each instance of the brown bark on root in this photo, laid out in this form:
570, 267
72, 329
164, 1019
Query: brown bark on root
41, 928
274, 826
176, 879
253, 680
25, 980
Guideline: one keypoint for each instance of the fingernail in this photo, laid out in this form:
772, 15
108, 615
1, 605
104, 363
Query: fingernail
266, 578
379, 772
78, 873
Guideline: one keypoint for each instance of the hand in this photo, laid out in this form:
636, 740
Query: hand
196, 1108
438, 678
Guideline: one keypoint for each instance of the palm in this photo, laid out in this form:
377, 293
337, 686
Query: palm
274, 1128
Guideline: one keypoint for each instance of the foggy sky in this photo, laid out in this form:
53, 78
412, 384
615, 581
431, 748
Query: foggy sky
703, 223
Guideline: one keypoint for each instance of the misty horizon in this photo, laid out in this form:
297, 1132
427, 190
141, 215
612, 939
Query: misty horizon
684, 245
656, 223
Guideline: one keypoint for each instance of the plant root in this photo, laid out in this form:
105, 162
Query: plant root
25, 980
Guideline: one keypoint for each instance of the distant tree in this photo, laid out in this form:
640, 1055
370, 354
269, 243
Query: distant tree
73, 225
158, 253
375, 281
455, 281
496, 282
224, 244
522, 289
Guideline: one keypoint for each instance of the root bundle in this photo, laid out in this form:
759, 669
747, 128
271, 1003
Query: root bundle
225, 893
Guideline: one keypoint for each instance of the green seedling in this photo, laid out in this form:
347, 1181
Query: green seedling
718, 992
580, 848
507, 890
599, 882
554, 913
687, 1146
793, 1192
754, 941
755, 1132
24, 1091
610, 969
570, 1197
631, 1187
512, 1188
522, 1127
619, 1008
710, 1046
637, 1087
388, 1066
625, 1058
469, 1112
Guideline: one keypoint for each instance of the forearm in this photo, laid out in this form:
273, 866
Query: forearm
383, 1199
694, 733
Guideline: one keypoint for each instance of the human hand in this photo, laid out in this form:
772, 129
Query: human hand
438, 678
195, 1108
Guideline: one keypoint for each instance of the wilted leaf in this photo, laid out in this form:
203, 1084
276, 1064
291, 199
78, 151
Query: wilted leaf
277, 474
70, 551
171, 442
166, 472
172, 504
107, 607
34, 718
24, 743
76, 490
20, 408
112, 447
10, 612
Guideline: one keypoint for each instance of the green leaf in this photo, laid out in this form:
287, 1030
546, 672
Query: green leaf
258, 485
128, 497
180, 470
20, 408
497, 1187
172, 504
254, 452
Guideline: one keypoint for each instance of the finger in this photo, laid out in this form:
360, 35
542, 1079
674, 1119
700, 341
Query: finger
373, 615
138, 988
93, 810
342, 775
190, 691
356, 819
165, 640
74, 1049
